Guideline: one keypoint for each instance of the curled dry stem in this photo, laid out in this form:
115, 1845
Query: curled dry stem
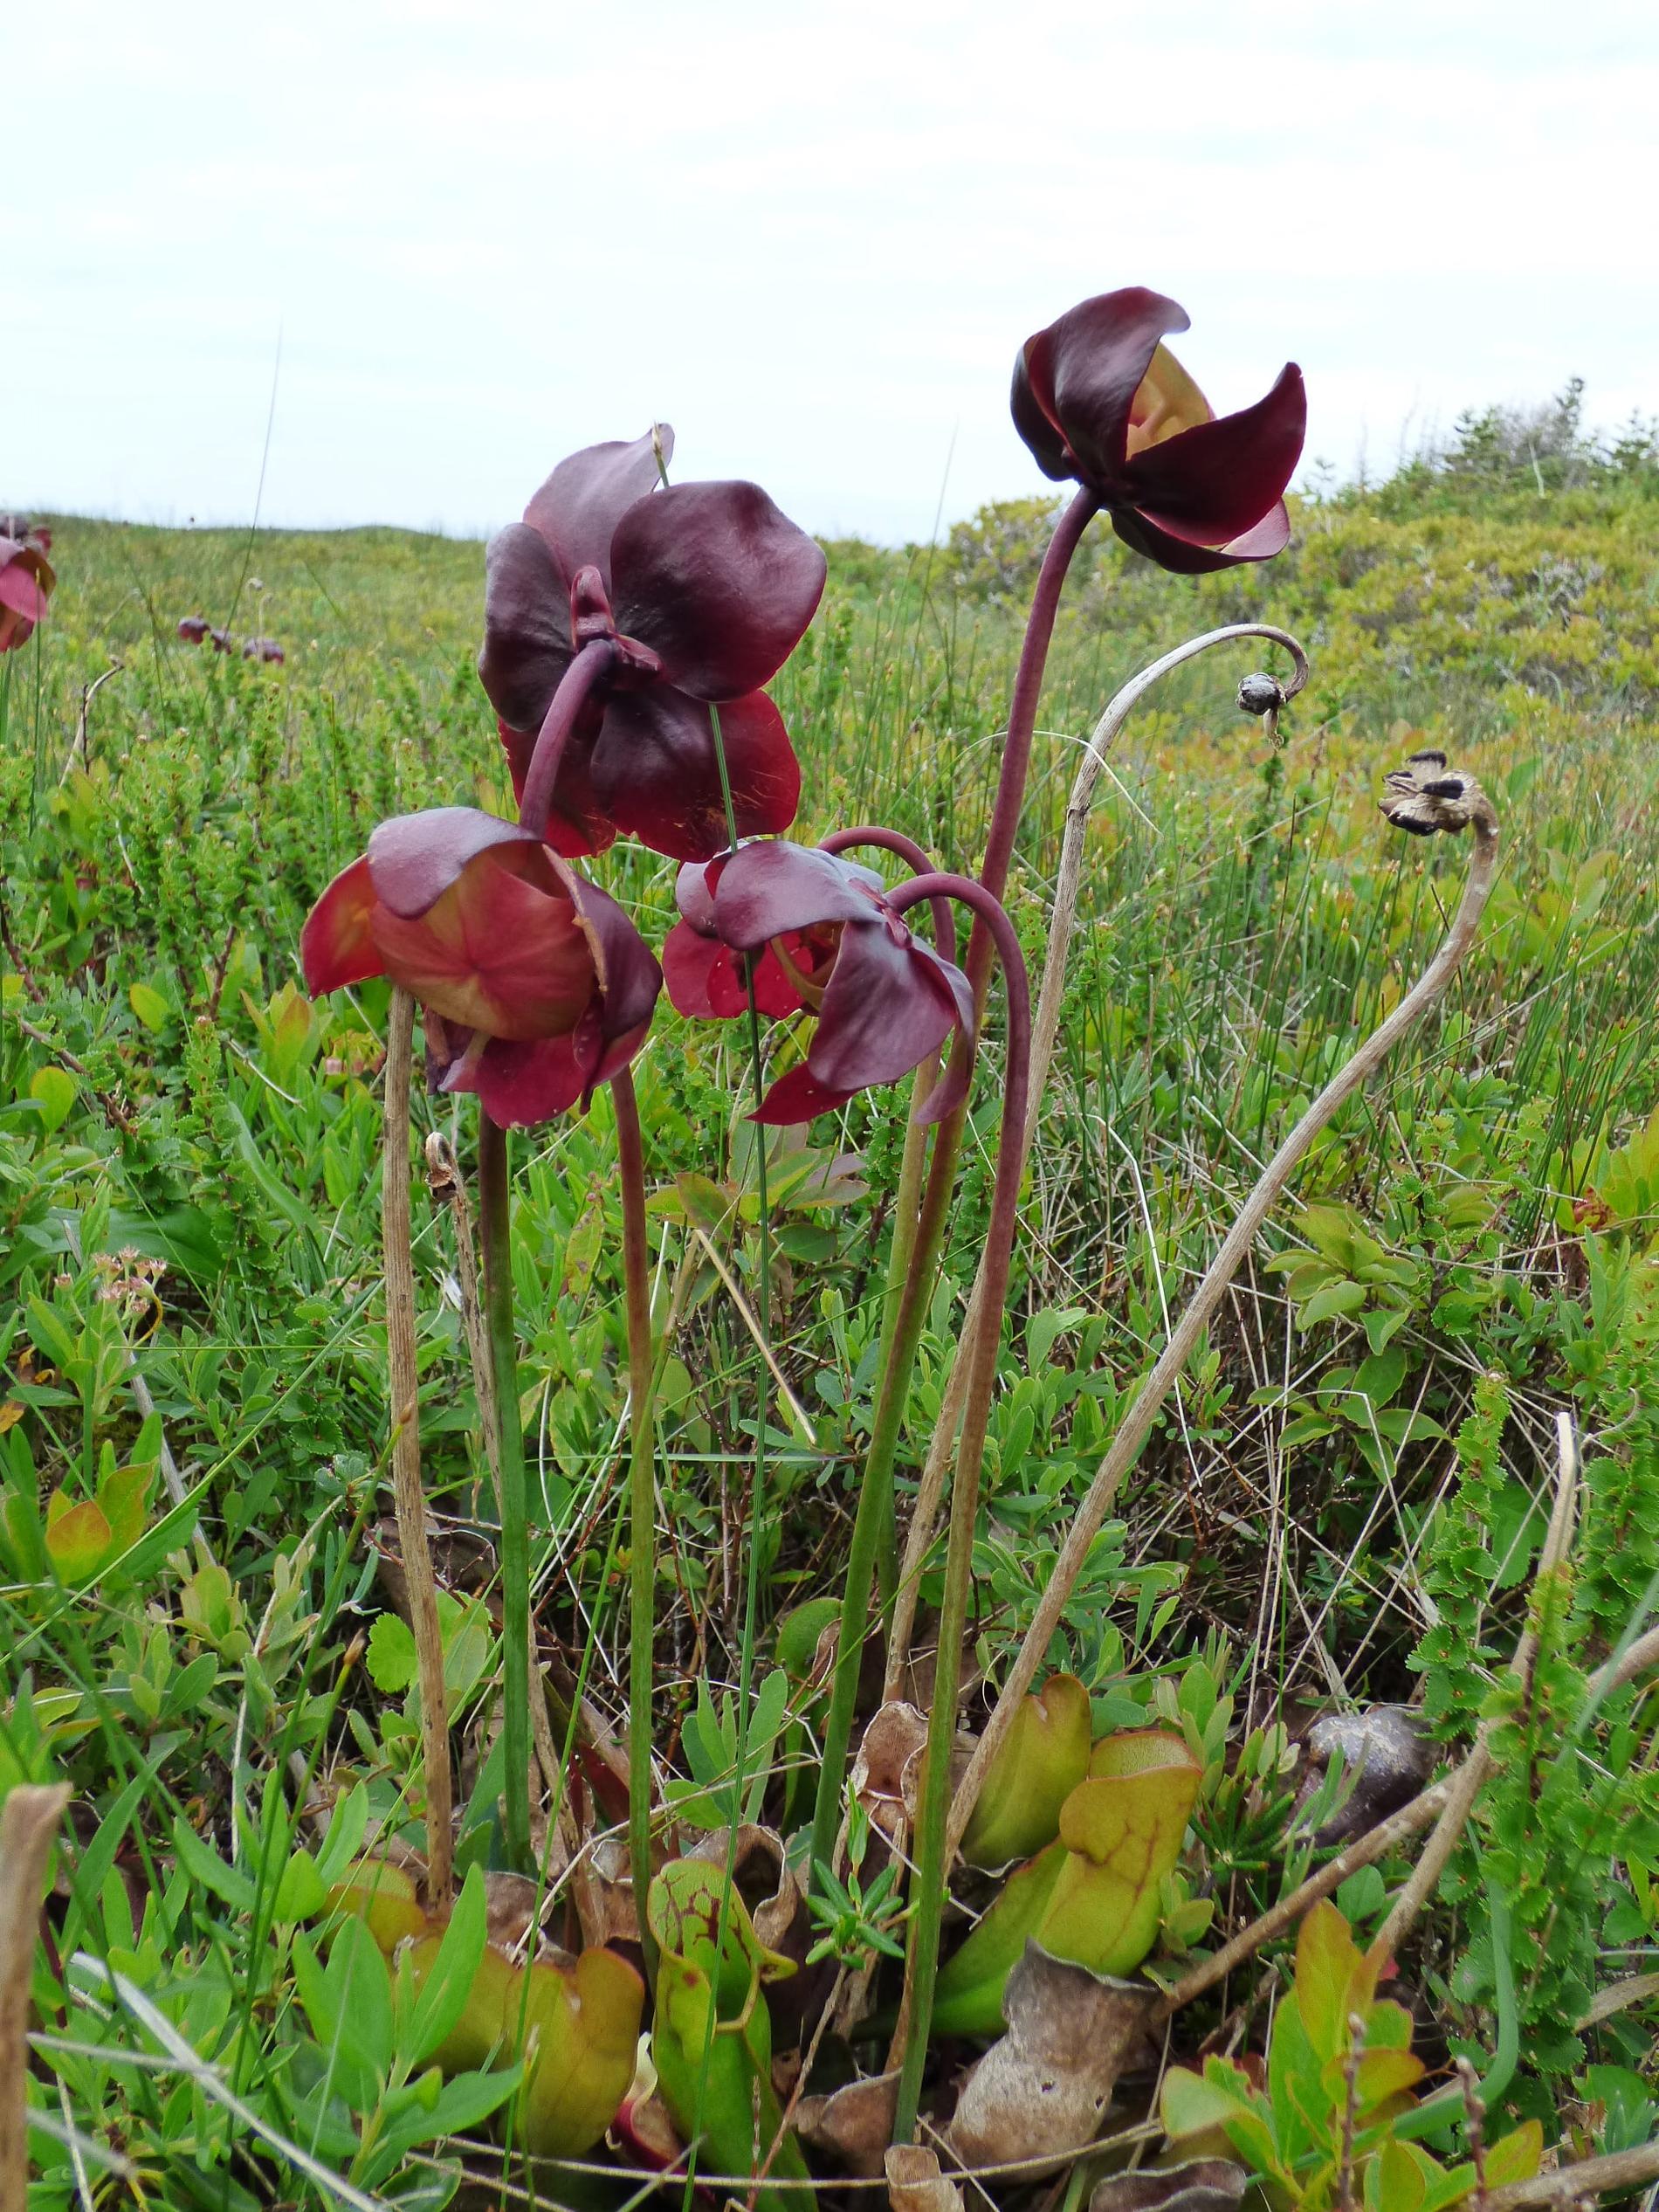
403, 1376
1050, 996
1476, 1769
1638, 1656
1475, 811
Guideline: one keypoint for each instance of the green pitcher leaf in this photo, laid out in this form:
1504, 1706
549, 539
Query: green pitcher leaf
1122, 1830
711, 2037
78, 1537
1043, 1757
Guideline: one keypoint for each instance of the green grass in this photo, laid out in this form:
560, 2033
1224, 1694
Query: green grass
165, 1095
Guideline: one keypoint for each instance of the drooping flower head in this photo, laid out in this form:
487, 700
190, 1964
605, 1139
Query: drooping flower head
1100, 399
708, 980
884, 1000
26, 579
701, 591
535, 985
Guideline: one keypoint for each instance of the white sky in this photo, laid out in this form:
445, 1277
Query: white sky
812, 236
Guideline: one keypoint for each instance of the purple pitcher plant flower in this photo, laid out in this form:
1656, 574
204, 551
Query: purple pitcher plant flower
616, 616
26, 580
1101, 400
534, 985
884, 999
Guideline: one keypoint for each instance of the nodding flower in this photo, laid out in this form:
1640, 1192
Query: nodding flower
673, 604
26, 579
534, 985
884, 1000
1100, 399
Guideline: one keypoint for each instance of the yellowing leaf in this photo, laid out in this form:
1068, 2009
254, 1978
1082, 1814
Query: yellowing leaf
149, 1004
77, 1538
1042, 1759
1517, 2156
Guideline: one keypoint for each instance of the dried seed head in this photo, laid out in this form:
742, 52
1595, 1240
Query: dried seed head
1260, 694
1426, 795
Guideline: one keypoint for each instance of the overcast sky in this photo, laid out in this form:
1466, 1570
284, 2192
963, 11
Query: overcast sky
810, 236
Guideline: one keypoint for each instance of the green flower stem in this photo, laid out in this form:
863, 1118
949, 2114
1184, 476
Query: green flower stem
495, 1212
642, 1491
931, 1861
875, 1493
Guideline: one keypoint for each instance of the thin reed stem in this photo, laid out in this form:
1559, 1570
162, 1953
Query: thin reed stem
495, 1215
404, 1375
642, 1495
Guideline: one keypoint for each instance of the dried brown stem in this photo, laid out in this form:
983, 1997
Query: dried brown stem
27, 1825
403, 1376
1429, 988
1476, 1769
447, 1186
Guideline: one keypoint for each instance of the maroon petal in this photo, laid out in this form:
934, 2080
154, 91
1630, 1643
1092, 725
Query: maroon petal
767, 890
414, 857
577, 823
717, 581
798, 1096
628, 976
886, 1006
526, 627
657, 777
337, 944
520, 1085
21, 590
706, 980
576, 511
1081, 375
1270, 536
1211, 483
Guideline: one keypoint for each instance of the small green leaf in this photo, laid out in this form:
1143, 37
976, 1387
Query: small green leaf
149, 1004
53, 1090
391, 1661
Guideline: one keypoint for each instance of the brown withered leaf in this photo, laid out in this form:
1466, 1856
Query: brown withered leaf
887, 1770
854, 2123
1196, 2185
915, 2184
1042, 2091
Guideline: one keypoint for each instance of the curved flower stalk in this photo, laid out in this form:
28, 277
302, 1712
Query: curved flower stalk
1050, 998
1424, 798
26, 580
616, 616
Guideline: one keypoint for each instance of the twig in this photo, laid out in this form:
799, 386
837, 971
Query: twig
446, 1186
1478, 1768
78, 742
1050, 996
1587, 2177
404, 1375
1475, 811
27, 1826
751, 1322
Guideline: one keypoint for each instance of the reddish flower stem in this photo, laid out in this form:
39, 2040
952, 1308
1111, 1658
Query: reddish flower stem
912, 854
642, 1526
922, 1964
1028, 690
576, 686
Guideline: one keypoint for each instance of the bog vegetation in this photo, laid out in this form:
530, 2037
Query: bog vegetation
1343, 1506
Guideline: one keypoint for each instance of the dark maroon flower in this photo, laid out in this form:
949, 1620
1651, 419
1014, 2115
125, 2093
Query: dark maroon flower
1099, 398
221, 640
263, 649
535, 985
884, 999
26, 580
709, 981
701, 592
193, 629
